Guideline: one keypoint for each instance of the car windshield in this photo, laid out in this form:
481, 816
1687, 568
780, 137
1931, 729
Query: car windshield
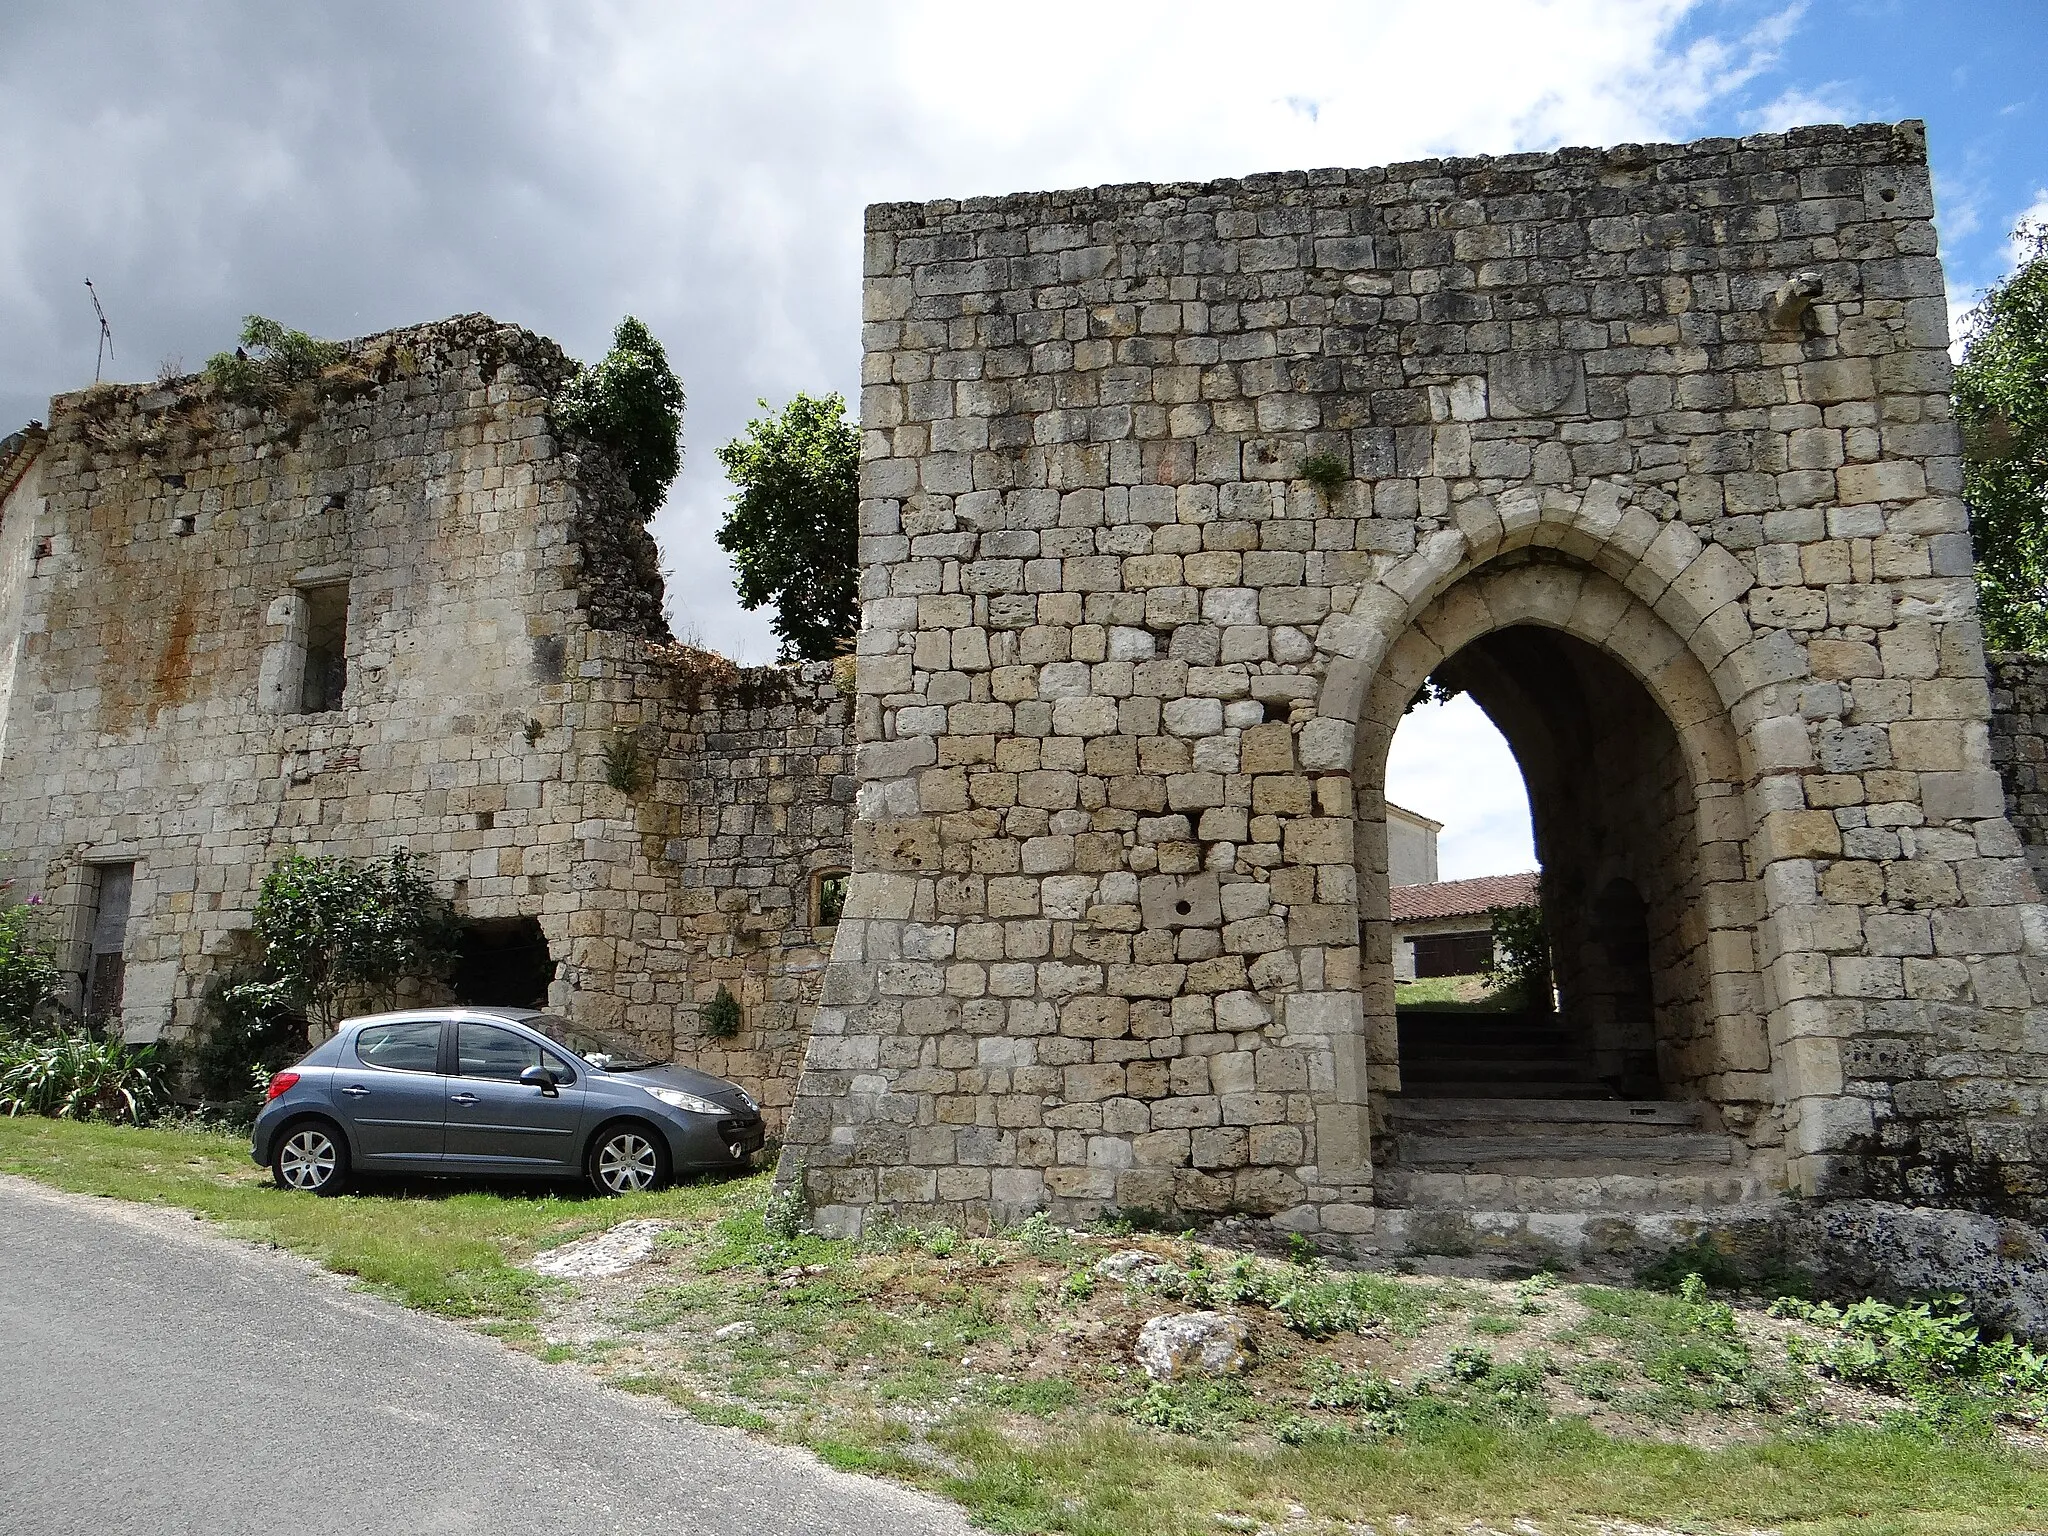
606, 1052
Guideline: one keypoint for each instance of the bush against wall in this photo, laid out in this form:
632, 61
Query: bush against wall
29, 977
794, 527
338, 934
251, 1036
630, 402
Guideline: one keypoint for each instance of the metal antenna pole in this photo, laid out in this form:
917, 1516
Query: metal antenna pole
106, 346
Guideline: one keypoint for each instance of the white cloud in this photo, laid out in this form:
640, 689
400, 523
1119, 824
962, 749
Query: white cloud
1798, 105
1452, 764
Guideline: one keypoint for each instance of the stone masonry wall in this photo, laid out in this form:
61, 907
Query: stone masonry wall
2019, 747
504, 625
1172, 497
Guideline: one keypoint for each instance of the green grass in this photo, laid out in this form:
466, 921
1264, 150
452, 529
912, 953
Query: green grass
448, 1249
862, 1361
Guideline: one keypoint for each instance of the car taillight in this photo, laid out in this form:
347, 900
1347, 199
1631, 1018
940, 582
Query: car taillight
280, 1083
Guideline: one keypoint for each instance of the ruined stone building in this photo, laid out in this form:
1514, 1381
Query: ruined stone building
394, 610
1173, 498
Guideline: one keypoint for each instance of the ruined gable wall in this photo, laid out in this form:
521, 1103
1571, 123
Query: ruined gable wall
1104, 941
747, 796
500, 625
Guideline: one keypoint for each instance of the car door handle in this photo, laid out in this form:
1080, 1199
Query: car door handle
462, 1098
355, 1093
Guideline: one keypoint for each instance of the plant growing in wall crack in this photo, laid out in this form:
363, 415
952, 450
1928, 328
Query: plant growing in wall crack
625, 762
271, 358
336, 932
722, 1014
1327, 473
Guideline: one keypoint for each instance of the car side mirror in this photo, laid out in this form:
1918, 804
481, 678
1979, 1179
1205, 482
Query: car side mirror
541, 1078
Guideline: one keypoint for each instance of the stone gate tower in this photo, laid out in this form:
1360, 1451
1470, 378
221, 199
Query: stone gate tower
1173, 496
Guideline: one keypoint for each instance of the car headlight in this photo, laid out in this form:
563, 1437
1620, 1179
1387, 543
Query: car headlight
689, 1103
747, 1098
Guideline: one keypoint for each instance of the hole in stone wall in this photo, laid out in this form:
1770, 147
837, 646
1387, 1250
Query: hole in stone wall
486, 820
187, 525
326, 676
828, 897
503, 962
42, 549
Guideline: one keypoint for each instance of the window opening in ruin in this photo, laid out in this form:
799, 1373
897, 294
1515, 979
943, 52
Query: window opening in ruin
325, 677
106, 926
828, 897
503, 962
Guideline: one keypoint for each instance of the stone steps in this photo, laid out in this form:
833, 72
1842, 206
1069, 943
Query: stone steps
1622, 1152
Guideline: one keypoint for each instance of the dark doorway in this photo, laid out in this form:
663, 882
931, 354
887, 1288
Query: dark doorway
504, 963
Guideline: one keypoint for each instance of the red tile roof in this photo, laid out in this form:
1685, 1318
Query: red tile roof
1461, 898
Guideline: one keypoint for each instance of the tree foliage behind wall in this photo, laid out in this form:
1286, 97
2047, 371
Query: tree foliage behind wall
631, 402
794, 528
2001, 393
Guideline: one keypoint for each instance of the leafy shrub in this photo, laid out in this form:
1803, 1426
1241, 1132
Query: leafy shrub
630, 402
335, 931
1521, 947
783, 1214
80, 1076
1037, 1236
625, 762
28, 967
1331, 1386
1932, 1353
250, 1039
1702, 1258
271, 357
1210, 1409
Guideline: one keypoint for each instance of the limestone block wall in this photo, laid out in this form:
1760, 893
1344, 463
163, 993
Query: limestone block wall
503, 627
747, 798
2019, 746
1172, 497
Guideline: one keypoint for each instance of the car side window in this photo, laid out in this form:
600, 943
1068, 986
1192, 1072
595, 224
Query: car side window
484, 1050
401, 1047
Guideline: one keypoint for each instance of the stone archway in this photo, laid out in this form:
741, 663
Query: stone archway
1599, 638
1636, 788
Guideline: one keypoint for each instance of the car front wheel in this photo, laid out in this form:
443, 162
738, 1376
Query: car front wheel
627, 1160
310, 1158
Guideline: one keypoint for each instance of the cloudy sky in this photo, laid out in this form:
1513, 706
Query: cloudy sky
348, 167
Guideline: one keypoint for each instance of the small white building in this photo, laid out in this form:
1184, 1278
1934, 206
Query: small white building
1441, 927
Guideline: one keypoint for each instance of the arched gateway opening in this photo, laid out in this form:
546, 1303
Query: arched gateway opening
1650, 1051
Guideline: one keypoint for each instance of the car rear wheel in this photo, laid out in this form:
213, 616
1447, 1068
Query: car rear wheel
311, 1158
627, 1160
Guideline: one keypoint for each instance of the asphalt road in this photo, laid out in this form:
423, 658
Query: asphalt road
155, 1378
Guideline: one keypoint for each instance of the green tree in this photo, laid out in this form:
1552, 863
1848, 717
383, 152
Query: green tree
28, 968
270, 357
1521, 954
2001, 395
794, 528
632, 403
336, 932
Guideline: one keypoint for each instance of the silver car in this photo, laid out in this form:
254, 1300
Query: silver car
466, 1091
